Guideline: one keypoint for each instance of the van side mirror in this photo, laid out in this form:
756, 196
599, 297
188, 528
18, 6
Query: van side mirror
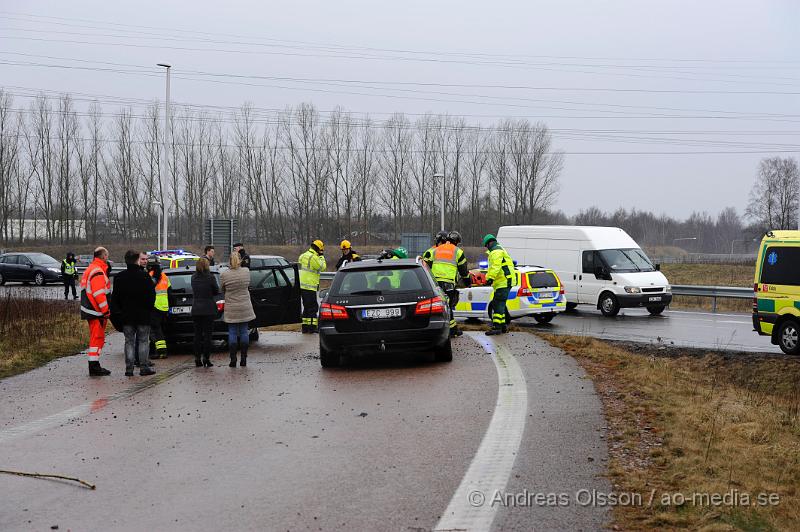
658, 267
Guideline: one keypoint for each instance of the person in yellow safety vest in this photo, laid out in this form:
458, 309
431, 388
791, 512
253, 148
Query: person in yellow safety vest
312, 262
448, 263
454, 238
348, 255
501, 275
160, 308
441, 238
68, 274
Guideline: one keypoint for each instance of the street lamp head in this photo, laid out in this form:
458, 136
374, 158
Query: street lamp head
164, 65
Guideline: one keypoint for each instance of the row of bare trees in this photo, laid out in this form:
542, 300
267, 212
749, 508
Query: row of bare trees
287, 177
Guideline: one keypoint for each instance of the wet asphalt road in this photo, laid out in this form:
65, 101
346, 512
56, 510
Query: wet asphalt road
705, 330
283, 445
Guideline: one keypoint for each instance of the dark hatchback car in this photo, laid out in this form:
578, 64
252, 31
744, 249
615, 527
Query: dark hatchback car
383, 305
274, 291
36, 268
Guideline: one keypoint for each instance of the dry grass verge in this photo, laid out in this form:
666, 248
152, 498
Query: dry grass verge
34, 331
683, 422
710, 275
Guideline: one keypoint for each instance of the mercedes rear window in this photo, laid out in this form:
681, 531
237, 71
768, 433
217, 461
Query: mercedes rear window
542, 280
379, 281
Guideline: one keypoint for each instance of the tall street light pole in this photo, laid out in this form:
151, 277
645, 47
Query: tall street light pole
165, 171
158, 211
440, 177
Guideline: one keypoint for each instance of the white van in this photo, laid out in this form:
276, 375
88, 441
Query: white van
600, 266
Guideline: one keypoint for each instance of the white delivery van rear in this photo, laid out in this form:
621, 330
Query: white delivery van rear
601, 266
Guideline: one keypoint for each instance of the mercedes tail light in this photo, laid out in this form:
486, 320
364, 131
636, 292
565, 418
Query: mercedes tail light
328, 311
435, 305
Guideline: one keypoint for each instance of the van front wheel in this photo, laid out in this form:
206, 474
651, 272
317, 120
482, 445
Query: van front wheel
608, 304
789, 337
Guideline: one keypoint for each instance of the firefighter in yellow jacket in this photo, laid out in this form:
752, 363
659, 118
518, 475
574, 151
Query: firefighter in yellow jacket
312, 262
501, 276
160, 309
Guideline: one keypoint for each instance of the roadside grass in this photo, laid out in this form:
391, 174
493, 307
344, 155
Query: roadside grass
691, 422
34, 331
710, 275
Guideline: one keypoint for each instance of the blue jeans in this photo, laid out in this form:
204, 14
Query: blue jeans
238, 332
137, 345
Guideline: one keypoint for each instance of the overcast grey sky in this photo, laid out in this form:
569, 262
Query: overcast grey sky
615, 81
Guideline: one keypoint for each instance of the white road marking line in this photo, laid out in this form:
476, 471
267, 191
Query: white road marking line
471, 508
65, 416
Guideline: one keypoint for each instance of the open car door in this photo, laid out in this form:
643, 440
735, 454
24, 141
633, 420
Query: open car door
275, 293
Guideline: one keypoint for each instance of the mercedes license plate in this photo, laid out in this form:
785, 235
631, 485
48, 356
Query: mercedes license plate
381, 313
180, 310
658, 298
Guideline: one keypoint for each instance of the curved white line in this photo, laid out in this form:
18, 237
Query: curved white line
491, 467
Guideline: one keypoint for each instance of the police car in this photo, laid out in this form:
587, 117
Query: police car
174, 258
536, 292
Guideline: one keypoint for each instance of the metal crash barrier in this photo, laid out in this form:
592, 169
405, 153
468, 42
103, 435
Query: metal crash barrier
730, 292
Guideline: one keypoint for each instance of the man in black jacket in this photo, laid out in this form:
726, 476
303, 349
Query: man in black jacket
132, 300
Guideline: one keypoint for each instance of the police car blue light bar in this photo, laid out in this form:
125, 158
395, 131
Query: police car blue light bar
483, 264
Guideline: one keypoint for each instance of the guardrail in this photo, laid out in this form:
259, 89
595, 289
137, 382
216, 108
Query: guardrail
730, 292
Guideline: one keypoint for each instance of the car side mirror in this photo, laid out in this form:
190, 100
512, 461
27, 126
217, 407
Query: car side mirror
658, 267
323, 294
30, 265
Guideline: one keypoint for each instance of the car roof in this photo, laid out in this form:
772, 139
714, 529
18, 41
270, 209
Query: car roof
372, 264
268, 257
185, 269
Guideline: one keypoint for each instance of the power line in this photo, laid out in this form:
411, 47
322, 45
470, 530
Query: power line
367, 85
105, 24
515, 65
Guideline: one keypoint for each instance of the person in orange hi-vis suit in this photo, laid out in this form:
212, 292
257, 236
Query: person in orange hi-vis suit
95, 287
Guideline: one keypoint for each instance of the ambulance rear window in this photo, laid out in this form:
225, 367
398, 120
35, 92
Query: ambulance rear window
542, 280
781, 265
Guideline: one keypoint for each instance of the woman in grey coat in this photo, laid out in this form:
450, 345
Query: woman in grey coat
235, 284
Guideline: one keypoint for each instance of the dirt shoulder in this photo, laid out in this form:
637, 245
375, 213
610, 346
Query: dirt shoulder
707, 440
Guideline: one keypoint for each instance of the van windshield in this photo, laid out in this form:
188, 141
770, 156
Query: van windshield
626, 260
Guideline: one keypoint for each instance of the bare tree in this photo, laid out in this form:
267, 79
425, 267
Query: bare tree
395, 164
773, 198
364, 174
9, 162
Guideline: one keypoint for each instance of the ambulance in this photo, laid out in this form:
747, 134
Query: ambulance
776, 290
536, 292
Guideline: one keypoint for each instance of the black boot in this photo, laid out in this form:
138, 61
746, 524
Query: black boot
305, 329
233, 356
243, 361
494, 330
96, 371
197, 361
207, 362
